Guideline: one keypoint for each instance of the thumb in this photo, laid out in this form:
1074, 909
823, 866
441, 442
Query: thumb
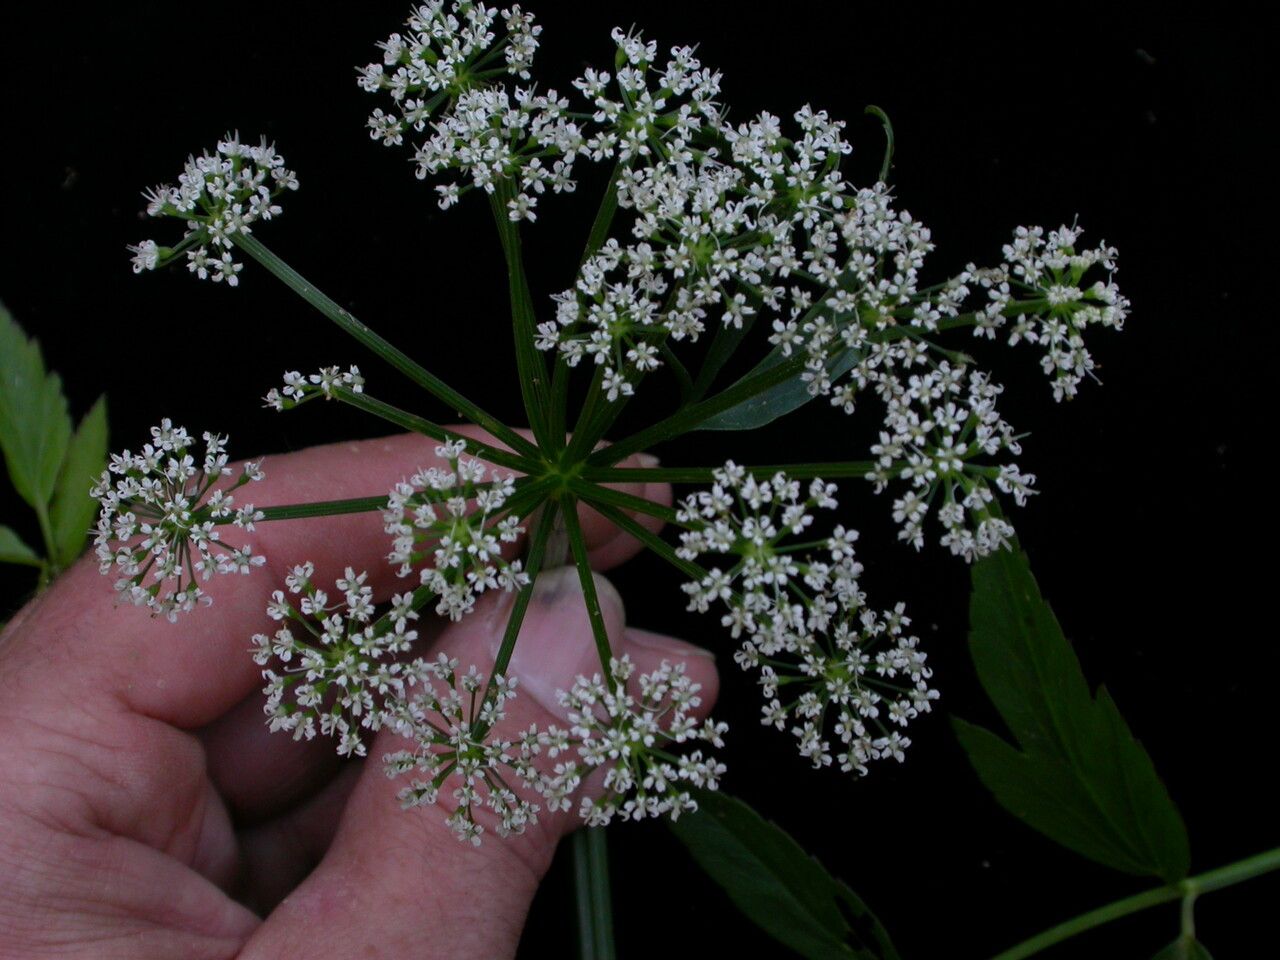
396, 882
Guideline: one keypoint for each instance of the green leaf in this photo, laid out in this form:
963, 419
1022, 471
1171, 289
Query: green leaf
1043, 793
34, 425
1184, 948
777, 885
13, 550
1079, 776
73, 508
777, 401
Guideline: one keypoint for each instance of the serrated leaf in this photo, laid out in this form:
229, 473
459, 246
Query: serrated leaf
13, 550
1025, 664
778, 886
73, 508
1079, 777
1184, 948
777, 401
1043, 793
34, 425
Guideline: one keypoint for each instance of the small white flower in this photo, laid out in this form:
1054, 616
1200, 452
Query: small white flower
484, 131
340, 669
159, 517
802, 619
217, 196
628, 730
1040, 292
145, 256
326, 383
459, 521
938, 428
451, 717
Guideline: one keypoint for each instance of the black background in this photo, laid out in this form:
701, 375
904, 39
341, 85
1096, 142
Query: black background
1148, 537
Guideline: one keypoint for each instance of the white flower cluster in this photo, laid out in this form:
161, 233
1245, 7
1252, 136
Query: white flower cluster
157, 524
1040, 287
217, 195
458, 519
825, 659
299, 388
936, 423
629, 735
446, 67
451, 716
337, 662
730, 225
338, 670
492, 135
767, 226
647, 120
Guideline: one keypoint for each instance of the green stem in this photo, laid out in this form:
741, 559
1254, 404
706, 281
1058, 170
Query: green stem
688, 418
533, 566
50, 547
1227, 876
604, 215
530, 494
594, 494
1237, 872
1189, 915
606, 414
396, 358
409, 421
883, 117
591, 887
650, 539
582, 560
322, 508
529, 361
599, 232
688, 390
587, 413
723, 345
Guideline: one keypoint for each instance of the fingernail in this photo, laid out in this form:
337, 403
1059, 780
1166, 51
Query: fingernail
556, 643
647, 460
669, 648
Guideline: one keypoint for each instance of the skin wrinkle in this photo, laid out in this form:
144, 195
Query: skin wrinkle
83, 880
47, 804
197, 908
197, 832
93, 778
216, 852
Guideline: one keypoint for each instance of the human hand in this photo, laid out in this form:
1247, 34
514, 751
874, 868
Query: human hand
147, 812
